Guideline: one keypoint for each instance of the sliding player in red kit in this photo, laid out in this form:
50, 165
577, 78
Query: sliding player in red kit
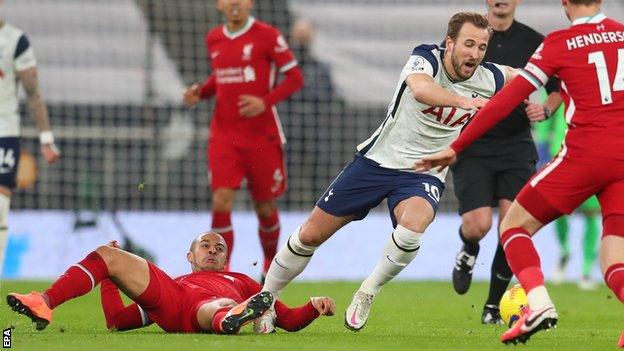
588, 58
246, 135
207, 300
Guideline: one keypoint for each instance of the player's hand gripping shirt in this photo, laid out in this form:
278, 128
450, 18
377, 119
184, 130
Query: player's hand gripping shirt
246, 62
413, 130
15, 55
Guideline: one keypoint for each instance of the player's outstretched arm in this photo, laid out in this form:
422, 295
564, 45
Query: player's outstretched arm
441, 160
39, 111
297, 318
428, 92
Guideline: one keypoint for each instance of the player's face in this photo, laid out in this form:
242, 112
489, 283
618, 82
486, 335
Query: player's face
502, 8
235, 10
467, 51
208, 254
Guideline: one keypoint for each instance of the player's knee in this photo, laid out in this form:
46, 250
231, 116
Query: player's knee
308, 236
222, 200
475, 229
265, 209
111, 257
107, 254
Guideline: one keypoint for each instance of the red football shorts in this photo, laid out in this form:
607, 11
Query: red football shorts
566, 182
262, 166
170, 304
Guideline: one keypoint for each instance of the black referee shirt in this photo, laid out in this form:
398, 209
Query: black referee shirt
511, 138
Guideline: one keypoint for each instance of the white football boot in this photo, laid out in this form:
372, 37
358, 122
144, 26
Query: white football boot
357, 313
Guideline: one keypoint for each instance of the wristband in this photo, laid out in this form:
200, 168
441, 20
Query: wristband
46, 137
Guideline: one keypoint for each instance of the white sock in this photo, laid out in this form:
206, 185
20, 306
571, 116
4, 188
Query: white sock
399, 251
5, 203
539, 298
289, 262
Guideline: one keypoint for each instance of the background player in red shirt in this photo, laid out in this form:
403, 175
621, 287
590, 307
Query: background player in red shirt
246, 135
207, 300
588, 58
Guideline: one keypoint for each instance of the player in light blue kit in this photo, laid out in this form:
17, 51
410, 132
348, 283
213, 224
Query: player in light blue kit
438, 92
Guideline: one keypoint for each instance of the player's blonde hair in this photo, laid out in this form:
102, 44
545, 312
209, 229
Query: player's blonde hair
459, 19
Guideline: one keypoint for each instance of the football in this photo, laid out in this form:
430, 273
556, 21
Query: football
512, 304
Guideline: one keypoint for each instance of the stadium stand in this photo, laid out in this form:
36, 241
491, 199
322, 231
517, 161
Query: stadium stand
113, 80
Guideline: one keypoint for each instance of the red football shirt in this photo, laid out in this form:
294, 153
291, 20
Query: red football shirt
246, 62
236, 286
588, 57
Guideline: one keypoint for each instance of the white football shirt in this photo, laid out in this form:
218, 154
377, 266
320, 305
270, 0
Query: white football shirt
413, 130
15, 55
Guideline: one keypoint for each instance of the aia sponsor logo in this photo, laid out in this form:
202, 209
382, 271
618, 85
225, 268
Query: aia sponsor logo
448, 116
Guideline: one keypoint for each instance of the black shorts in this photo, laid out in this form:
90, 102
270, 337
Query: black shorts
9, 160
482, 181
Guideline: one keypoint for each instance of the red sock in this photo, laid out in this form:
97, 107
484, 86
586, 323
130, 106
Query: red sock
218, 318
522, 257
269, 231
117, 315
614, 277
222, 224
78, 280
294, 319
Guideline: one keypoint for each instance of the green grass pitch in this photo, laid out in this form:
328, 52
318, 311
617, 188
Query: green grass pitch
406, 316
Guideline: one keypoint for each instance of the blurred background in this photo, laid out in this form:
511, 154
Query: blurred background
134, 162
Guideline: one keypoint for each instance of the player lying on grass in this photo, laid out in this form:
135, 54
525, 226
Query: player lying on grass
207, 300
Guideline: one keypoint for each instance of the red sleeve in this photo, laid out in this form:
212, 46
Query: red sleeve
209, 88
294, 319
117, 315
499, 107
285, 61
292, 82
544, 61
280, 52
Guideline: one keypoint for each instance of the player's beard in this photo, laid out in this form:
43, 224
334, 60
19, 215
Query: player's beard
458, 65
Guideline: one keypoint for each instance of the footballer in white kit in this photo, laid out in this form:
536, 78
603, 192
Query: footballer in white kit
383, 166
17, 64
438, 93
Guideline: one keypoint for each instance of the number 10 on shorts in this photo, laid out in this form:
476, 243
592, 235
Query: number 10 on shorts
432, 191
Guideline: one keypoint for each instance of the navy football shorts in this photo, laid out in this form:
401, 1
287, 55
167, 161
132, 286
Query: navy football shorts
9, 160
363, 184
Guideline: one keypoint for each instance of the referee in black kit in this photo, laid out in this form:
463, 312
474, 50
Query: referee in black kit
493, 170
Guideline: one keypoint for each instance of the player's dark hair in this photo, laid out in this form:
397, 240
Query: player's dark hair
584, 2
459, 19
